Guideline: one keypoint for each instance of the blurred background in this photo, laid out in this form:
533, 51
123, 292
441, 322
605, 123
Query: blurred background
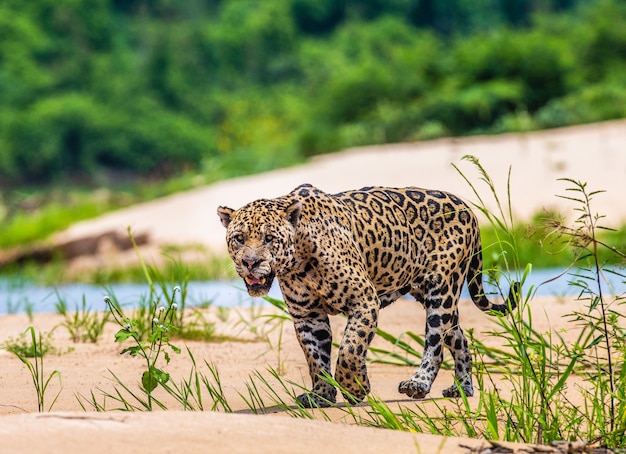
109, 102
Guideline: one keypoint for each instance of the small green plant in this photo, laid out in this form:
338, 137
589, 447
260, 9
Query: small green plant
223, 313
36, 349
151, 348
24, 347
12, 306
83, 325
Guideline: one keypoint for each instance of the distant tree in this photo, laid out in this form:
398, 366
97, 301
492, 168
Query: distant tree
317, 17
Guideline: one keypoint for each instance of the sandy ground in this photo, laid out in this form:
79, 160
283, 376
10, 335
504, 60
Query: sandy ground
594, 154
87, 368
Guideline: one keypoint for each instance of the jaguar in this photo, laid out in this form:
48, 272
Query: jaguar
355, 253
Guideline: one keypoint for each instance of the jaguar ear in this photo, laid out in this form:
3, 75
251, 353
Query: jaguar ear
293, 212
225, 214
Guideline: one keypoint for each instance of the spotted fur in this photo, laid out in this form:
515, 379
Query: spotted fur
354, 253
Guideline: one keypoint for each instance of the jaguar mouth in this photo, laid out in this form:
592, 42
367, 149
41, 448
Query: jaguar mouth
258, 286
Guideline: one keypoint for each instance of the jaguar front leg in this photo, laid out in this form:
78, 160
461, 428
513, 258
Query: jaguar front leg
315, 337
351, 370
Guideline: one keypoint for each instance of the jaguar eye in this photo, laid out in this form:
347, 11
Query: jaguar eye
239, 238
268, 238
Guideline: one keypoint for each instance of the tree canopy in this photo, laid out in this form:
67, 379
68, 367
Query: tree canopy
154, 87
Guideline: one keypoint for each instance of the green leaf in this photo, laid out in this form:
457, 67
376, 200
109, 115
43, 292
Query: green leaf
123, 334
160, 375
559, 386
279, 304
148, 381
595, 342
134, 350
152, 377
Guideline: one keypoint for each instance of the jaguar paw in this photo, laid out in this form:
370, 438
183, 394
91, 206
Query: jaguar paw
413, 389
453, 391
311, 400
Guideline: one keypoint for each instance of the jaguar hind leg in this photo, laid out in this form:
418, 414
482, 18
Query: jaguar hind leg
458, 346
418, 386
442, 328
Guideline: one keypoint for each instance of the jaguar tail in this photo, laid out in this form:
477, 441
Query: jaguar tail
477, 292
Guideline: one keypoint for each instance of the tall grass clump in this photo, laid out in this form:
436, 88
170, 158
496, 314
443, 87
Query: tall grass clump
84, 324
532, 413
549, 375
32, 356
601, 345
541, 404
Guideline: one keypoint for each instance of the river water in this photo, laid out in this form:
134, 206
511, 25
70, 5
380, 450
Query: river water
20, 297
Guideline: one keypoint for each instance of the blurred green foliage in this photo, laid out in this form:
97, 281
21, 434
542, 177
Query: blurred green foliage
92, 91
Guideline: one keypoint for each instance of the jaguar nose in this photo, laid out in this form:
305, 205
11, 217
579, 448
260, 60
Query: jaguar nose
250, 263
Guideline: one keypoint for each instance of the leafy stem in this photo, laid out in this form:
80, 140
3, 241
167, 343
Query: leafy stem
150, 349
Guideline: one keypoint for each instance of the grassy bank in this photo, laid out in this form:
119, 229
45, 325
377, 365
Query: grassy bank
32, 214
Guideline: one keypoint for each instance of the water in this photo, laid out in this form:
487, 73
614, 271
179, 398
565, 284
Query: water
24, 297
20, 298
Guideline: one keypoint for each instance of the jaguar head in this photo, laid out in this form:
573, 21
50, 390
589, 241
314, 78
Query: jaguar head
260, 240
